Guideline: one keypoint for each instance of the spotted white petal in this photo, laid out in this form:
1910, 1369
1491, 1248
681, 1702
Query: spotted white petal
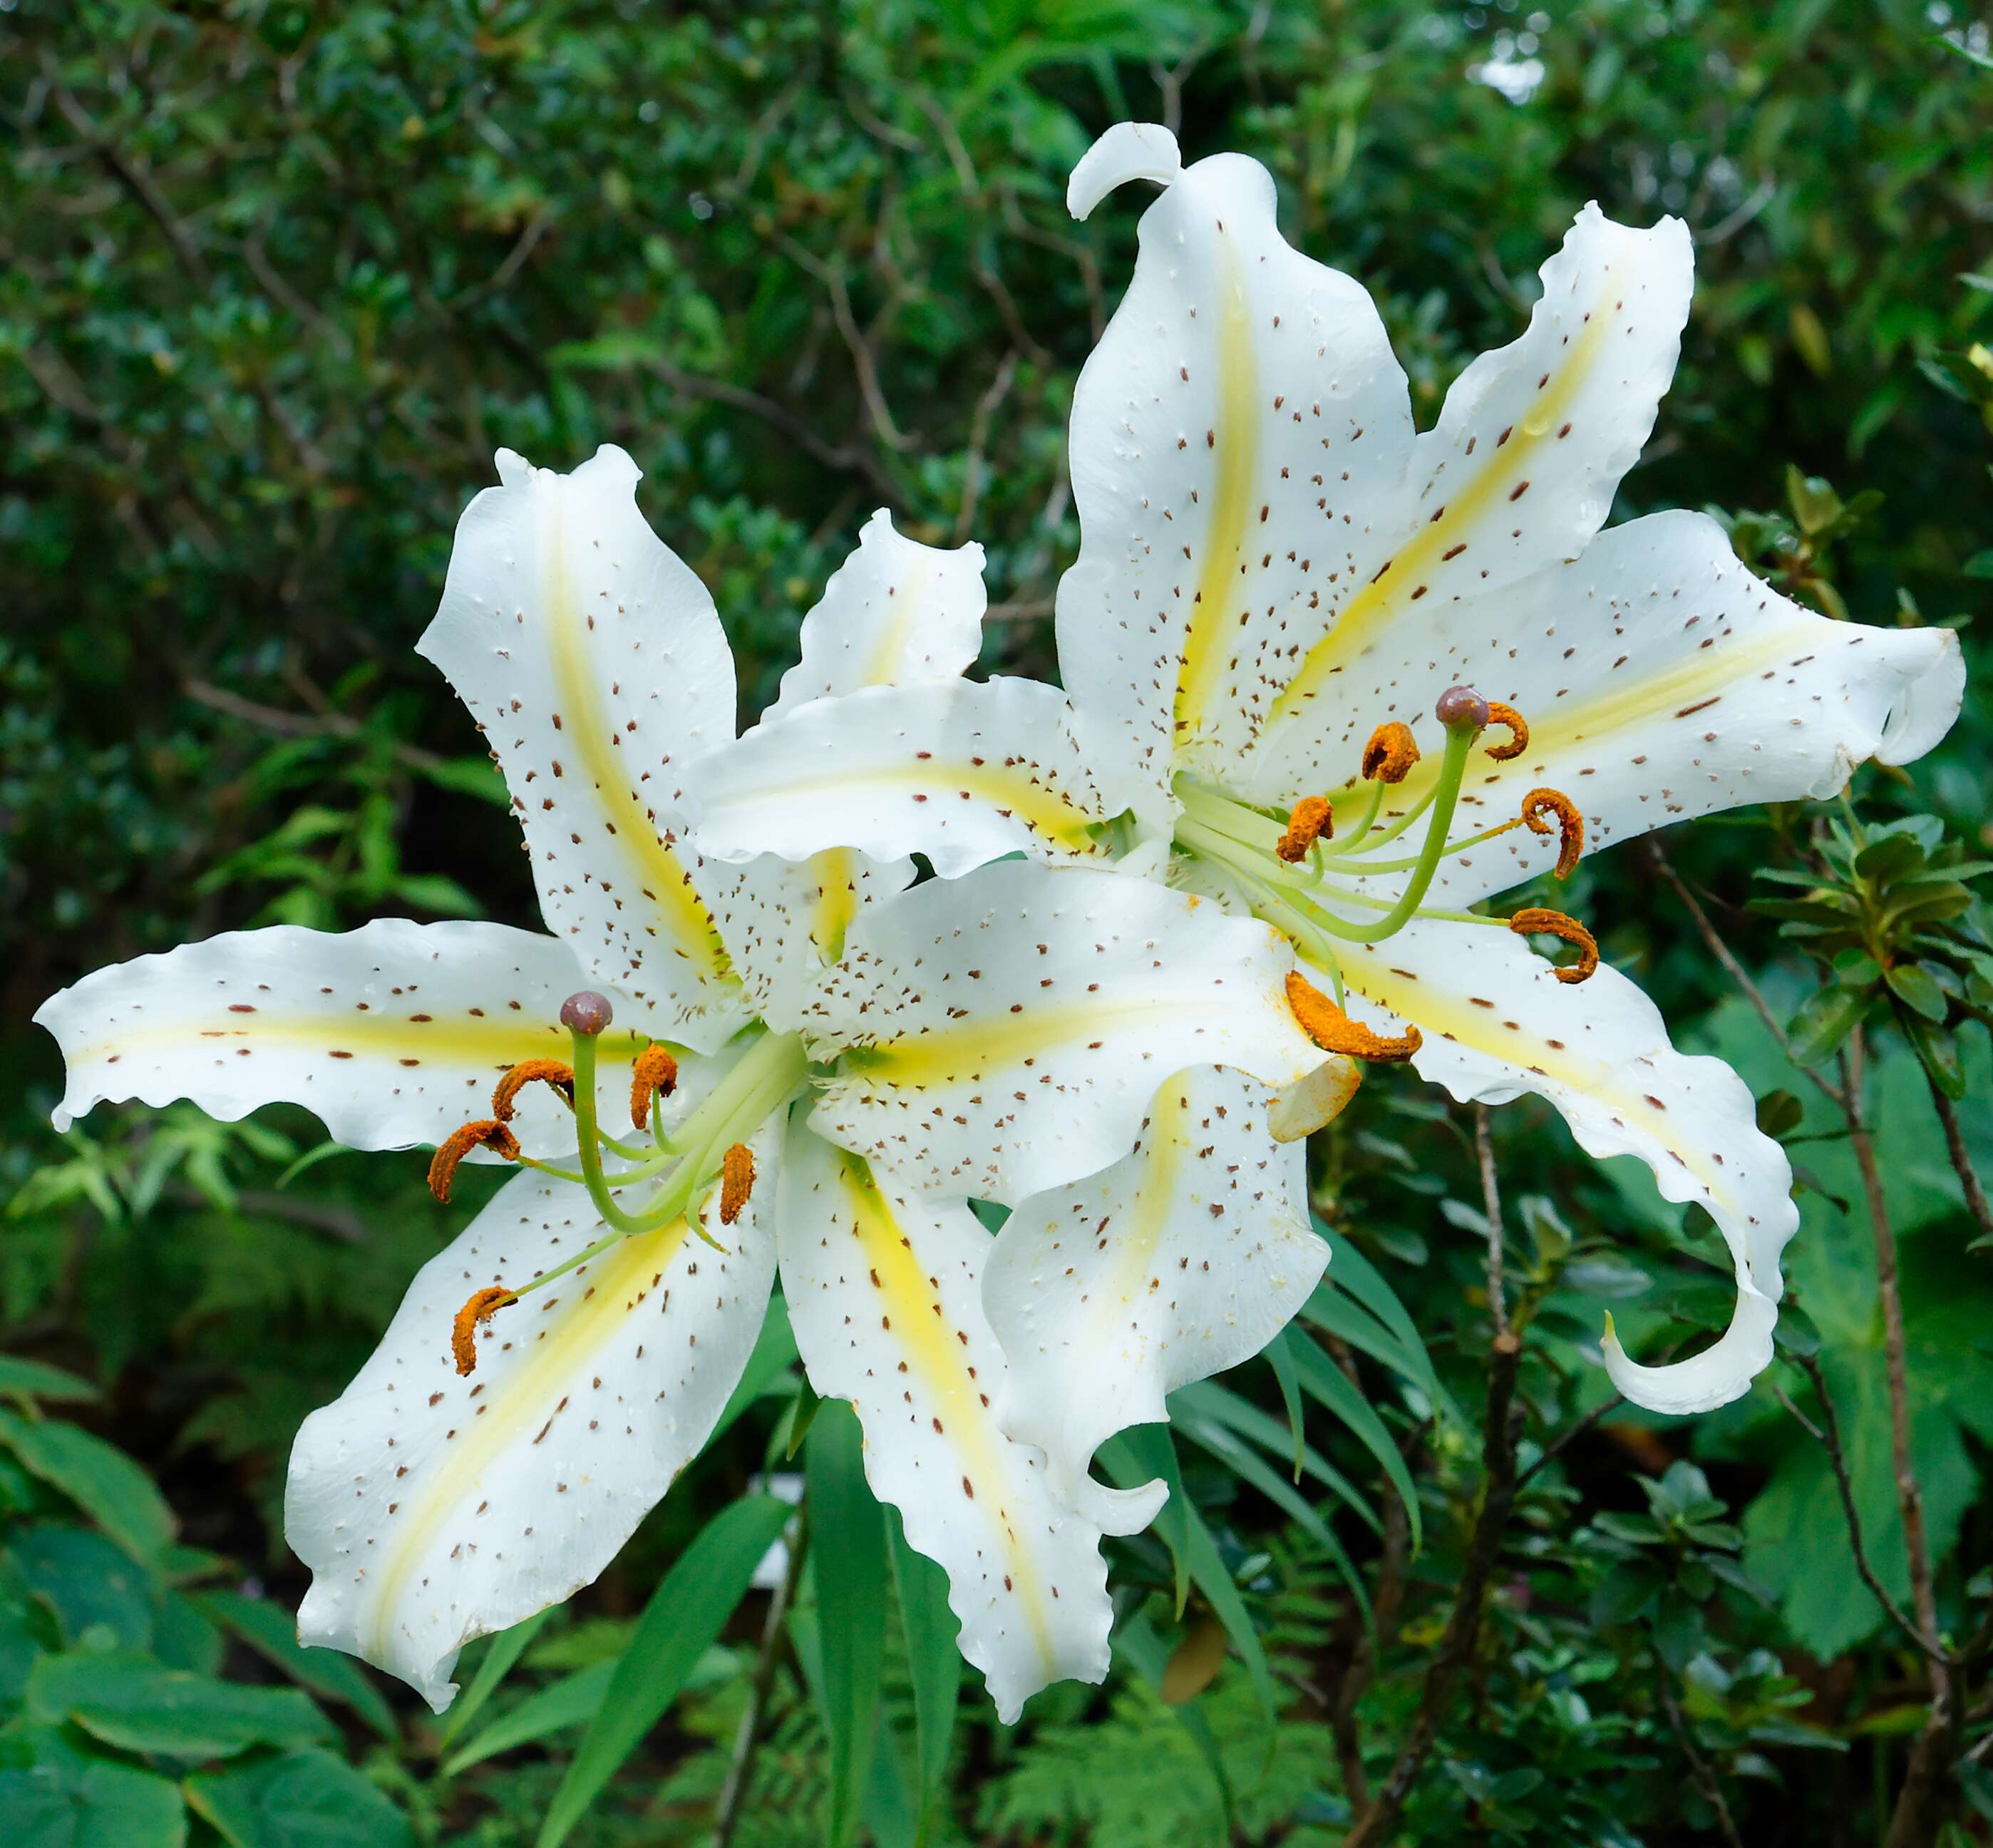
964, 773
1518, 473
1662, 681
884, 1294
1186, 1256
896, 613
1004, 1032
433, 1508
391, 1035
784, 922
591, 657
1240, 441
1497, 1024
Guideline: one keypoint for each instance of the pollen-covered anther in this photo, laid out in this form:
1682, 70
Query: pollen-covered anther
655, 1074
1536, 918
736, 1181
1331, 1029
488, 1132
1390, 753
556, 1072
1310, 821
1571, 825
482, 1307
1519, 731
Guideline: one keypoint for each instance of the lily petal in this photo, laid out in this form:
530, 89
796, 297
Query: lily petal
433, 1508
964, 773
884, 1291
1497, 1024
1661, 681
896, 613
392, 1035
1004, 1032
591, 658
1240, 436
1518, 473
1186, 1256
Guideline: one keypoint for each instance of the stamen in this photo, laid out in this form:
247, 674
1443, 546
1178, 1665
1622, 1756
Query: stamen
655, 1073
1310, 821
556, 1072
736, 1181
1535, 918
1571, 825
481, 1308
458, 1143
1331, 1029
1519, 731
1391, 753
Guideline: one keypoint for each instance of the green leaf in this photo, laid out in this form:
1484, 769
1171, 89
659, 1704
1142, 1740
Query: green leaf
139, 1706
848, 1553
1938, 1053
1325, 1382
89, 1584
573, 1700
686, 1612
1281, 1359
112, 1490
1980, 564
1209, 1399
500, 1657
271, 1630
1350, 1270
934, 1662
36, 1380
297, 1799
1134, 1461
66, 1797
1140, 1454
1912, 986
1826, 1020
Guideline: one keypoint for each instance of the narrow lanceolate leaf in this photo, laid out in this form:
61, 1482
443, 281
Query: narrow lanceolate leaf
885, 1294
434, 1507
934, 1664
593, 659
685, 1614
848, 1541
500, 1657
963, 774
1005, 1032
1323, 1380
1184, 1258
573, 1701
391, 1035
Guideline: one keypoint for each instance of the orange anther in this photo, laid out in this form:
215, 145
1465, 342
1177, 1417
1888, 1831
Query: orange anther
1535, 918
655, 1073
458, 1143
556, 1072
1571, 825
1391, 753
1309, 823
1519, 731
482, 1307
1331, 1029
736, 1181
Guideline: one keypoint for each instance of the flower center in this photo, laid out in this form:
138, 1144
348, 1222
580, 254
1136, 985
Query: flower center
657, 1183
1313, 873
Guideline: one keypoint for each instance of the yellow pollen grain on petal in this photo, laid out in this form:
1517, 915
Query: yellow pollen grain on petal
693, 932
920, 1325
1209, 624
515, 1404
1362, 620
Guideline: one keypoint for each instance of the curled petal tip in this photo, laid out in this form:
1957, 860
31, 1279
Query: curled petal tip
1127, 151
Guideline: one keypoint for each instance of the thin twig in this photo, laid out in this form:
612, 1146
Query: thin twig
1698, 1766
1734, 969
846, 458
747, 1738
1593, 1419
296, 725
1961, 1163
1484, 1151
1828, 1433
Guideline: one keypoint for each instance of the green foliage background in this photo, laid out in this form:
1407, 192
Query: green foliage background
276, 278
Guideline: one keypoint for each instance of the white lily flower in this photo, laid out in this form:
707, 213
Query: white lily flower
1291, 620
550, 1372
